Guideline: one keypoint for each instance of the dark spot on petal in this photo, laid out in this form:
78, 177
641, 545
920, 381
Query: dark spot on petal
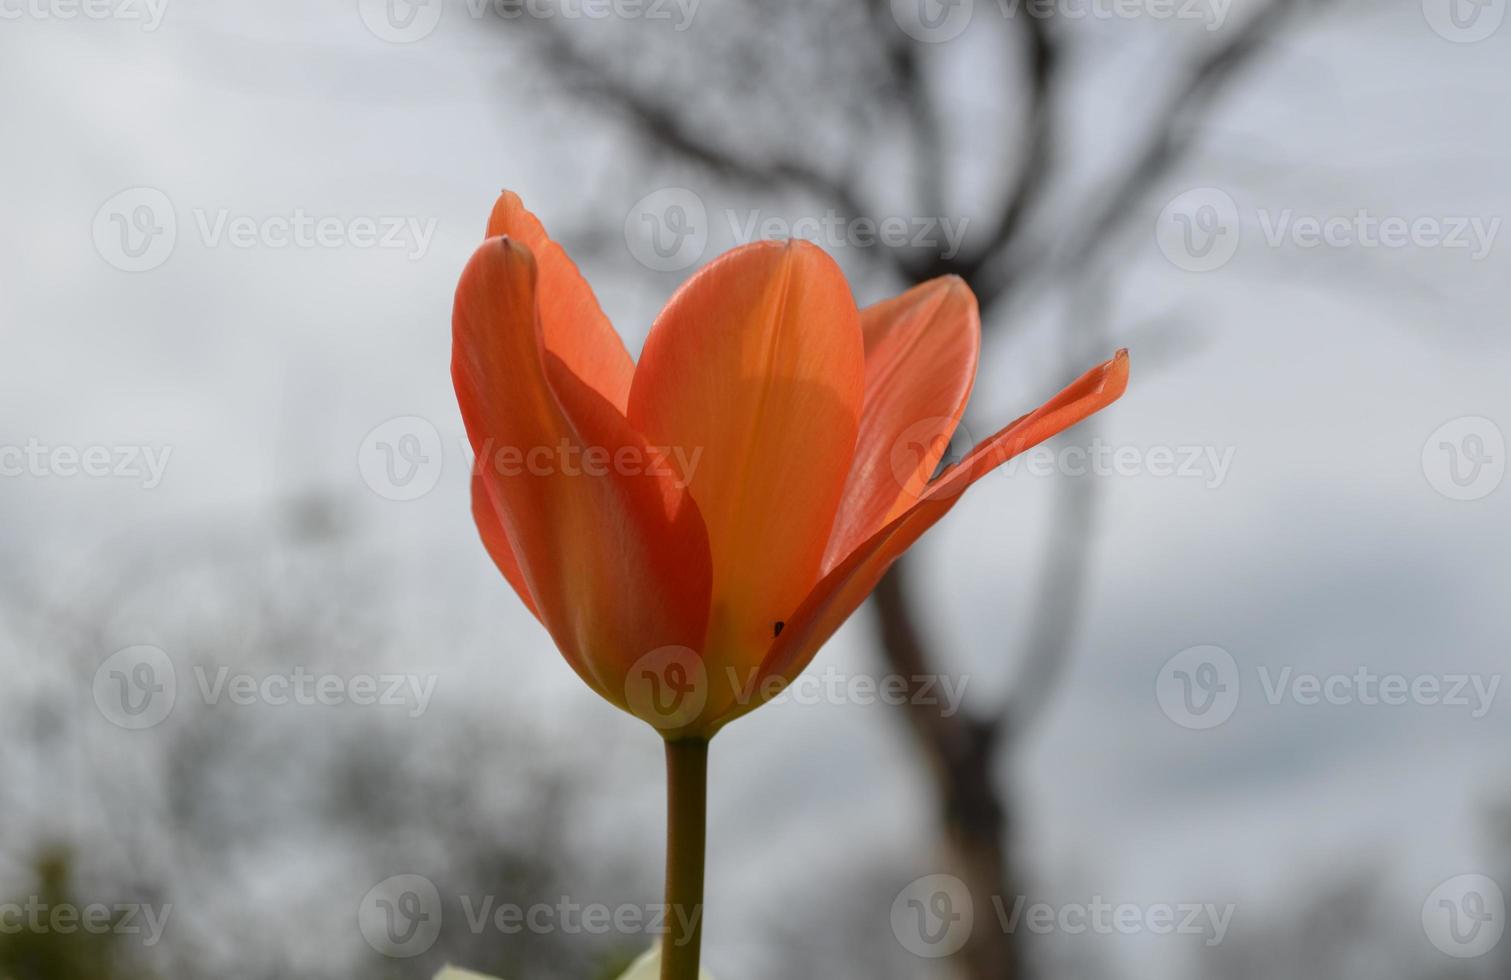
777, 629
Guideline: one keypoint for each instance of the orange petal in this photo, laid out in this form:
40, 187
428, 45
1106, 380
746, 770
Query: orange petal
755, 369
496, 541
576, 329
921, 351
614, 555
843, 590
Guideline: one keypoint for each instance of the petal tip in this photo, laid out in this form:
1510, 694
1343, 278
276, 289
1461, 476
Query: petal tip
1117, 373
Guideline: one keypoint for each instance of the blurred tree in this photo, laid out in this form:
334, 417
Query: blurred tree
833, 103
263, 824
31, 948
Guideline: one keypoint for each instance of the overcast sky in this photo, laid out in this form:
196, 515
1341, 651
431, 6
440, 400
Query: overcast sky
1308, 528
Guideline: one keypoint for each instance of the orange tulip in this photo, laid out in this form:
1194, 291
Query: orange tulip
691, 529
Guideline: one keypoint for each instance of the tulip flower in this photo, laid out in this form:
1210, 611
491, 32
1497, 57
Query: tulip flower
692, 528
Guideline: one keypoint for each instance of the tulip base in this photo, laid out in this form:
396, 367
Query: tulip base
686, 832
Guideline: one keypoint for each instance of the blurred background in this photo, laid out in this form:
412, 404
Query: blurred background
1206, 688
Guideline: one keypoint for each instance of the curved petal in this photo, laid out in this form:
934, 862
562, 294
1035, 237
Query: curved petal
496, 541
575, 327
755, 371
921, 352
843, 590
614, 555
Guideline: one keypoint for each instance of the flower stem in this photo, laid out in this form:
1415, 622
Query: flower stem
686, 824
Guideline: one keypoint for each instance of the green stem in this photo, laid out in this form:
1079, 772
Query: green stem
686, 826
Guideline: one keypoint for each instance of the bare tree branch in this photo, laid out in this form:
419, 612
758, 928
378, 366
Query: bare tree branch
965, 750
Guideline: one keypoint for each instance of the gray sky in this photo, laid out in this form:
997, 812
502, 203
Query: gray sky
1322, 546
